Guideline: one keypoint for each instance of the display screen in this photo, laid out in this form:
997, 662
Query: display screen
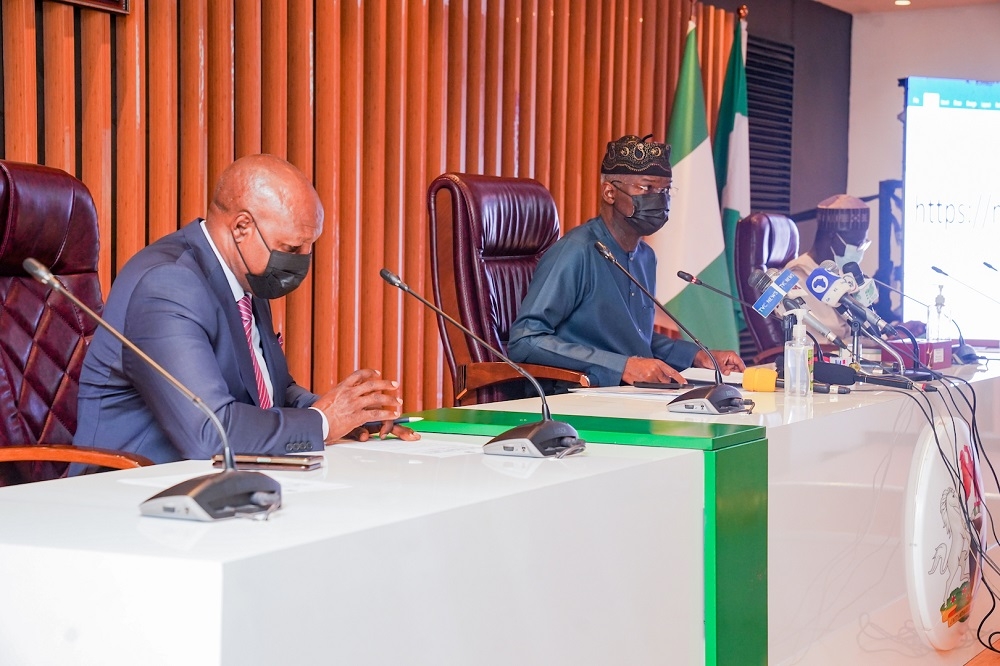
951, 207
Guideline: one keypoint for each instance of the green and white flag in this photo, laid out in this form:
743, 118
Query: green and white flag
732, 152
692, 240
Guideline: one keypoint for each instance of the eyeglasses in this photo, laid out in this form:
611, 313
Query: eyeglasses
864, 245
643, 189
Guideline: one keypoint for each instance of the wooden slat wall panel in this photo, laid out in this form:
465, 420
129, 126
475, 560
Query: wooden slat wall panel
435, 149
328, 157
163, 107
193, 129
248, 77
95, 144
221, 88
274, 103
274, 77
130, 154
58, 86
372, 100
20, 94
349, 219
301, 74
397, 89
577, 146
421, 106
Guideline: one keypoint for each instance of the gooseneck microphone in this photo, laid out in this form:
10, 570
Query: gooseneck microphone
219, 495
535, 440
900, 292
691, 279
717, 399
967, 286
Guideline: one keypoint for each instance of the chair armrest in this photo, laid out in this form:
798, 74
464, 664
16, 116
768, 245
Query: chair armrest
74, 454
768, 355
475, 376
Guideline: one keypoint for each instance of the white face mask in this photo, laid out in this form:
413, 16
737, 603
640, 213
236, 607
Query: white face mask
851, 253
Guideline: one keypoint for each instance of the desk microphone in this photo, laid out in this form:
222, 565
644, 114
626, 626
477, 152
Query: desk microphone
535, 440
714, 399
209, 497
965, 352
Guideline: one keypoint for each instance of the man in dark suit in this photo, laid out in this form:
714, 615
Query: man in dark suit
196, 301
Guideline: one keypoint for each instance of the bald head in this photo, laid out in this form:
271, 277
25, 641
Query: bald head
262, 203
265, 181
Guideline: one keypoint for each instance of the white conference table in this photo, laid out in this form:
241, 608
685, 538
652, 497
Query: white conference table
837, 473
382, 557
390, 556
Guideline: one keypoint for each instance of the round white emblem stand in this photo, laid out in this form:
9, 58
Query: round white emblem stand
942, 572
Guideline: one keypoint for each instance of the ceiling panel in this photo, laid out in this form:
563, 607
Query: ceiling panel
867, 6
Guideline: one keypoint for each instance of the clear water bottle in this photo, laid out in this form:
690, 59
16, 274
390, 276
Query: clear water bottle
798, 363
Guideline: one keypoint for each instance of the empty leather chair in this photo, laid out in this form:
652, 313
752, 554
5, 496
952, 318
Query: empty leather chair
48, 215
763, 240
487, 235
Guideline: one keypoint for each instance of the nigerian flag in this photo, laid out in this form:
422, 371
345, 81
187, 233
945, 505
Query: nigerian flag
692, 239
732, 152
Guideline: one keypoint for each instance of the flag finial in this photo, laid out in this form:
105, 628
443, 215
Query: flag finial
743, 12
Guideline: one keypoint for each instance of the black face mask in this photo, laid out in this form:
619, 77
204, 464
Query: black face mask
650, 212
285, 271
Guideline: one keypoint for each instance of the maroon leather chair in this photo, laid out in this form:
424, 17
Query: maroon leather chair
47, 214
763, 240
487, 235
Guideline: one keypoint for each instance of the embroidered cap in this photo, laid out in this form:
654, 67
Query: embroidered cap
634, 156
842, 212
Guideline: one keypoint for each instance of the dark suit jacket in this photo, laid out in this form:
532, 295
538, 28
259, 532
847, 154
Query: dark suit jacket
173, 301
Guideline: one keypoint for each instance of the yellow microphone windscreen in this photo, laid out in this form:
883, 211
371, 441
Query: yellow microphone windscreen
760, 379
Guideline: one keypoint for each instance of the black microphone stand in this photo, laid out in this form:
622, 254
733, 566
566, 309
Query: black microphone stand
718, 399
226, 494
915, 373
536, 440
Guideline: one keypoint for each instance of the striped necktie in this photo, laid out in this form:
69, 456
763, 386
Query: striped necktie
246, 314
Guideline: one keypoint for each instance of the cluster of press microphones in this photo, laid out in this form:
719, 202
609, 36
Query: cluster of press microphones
852, 294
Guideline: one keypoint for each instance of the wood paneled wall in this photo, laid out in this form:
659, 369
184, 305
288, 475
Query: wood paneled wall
371, 99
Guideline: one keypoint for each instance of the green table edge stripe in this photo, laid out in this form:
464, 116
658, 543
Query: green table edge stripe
702, 436
736, 499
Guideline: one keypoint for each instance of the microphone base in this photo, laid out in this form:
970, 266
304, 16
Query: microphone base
216, 496
966, 354
718, 399
542, 439
918, 375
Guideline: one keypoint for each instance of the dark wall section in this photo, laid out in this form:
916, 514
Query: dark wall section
821, 37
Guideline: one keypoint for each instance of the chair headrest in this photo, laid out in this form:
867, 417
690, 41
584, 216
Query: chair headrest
40, 209
771, 238
515, 216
